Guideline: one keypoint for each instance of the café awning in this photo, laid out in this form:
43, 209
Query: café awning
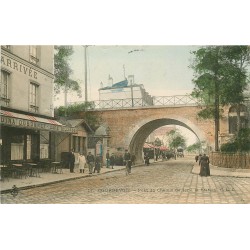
147, 145
18, 120
163, 148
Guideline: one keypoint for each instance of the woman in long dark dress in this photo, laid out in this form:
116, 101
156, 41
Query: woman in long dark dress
204, 163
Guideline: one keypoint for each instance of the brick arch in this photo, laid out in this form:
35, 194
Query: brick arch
139, 133
127, 125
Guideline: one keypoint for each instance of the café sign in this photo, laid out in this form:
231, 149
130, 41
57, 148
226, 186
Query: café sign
21, 123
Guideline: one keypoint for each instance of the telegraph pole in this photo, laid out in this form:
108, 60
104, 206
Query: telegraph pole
86, 84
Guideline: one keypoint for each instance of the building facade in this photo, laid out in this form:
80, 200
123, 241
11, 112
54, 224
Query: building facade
28, 127
126, 89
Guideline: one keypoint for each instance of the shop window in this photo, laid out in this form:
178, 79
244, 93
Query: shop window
28, 147
44, 145
4, 88
34, 54
33, 98
17, 147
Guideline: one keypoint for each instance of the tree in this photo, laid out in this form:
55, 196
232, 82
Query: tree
175, 139
72, 111
240, 143
220, 77
63, 71
196, 147
157, 142
208, 67
237, 60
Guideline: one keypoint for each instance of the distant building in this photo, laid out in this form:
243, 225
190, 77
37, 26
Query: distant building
126, 89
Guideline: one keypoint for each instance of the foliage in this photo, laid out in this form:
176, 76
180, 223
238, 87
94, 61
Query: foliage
220, 71
229, 147
62, 70
208, 112
243, 140
91, 118
175, 139
157, 142
220, 77
194, 147
240, 143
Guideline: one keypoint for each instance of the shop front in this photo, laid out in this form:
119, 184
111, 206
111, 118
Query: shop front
28, 138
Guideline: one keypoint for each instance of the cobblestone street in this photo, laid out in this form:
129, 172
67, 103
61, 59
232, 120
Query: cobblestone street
169, 182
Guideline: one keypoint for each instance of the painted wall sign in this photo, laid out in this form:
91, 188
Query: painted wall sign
10, 63
16, 122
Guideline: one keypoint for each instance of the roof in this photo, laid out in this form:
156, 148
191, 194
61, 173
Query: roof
120, 84
123, 83
102, 130
77, 122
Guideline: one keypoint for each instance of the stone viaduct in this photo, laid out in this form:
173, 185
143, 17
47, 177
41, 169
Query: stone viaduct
129, 127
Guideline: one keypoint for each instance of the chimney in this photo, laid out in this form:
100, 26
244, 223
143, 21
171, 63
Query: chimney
131, 80
110, 81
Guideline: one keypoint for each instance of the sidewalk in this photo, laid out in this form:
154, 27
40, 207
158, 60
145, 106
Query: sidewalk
218, 171
50, 178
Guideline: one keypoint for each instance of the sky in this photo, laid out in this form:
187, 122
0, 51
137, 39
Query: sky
163, 70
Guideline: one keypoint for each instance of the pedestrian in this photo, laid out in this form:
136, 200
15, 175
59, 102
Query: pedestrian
204, 166
72, 160
199, 158
196, 158
132, 161
146, 159
98, 161
82, 162
127, 159
107, 159
133, 158
90, 161
156, 157
112, 160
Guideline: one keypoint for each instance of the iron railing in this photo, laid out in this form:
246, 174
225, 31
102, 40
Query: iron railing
179, 100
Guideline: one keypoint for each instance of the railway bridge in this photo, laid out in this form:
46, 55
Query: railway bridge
129, 122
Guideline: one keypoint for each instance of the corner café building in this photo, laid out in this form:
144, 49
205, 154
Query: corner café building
26, 137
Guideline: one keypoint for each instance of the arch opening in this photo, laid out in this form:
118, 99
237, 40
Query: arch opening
141, 132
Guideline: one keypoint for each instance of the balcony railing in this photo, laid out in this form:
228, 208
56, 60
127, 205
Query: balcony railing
5, 101
33, 108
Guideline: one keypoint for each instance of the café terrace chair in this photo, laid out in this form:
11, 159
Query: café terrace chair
35, 169
45, 166
60, 167
6, 173
21, 171
56, 167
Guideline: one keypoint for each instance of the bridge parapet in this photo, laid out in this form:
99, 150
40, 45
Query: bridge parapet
178, 100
